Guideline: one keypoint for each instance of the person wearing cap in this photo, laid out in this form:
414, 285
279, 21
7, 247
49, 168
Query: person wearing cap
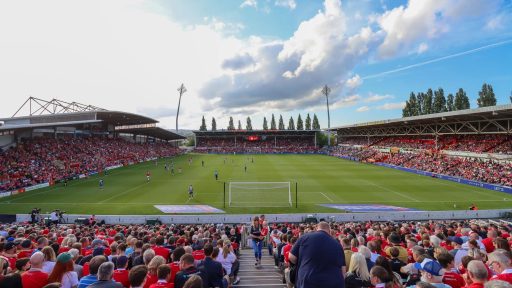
457, 252
500, 263
476, 275
63, 271
432, 272
121, 274
10, 254
35, 277
394, 240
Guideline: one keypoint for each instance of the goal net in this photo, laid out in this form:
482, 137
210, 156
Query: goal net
260, 194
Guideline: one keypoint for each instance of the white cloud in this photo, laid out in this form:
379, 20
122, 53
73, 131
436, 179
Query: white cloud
363, 109
346, 102
422, 48
392, 106
495, 23
422, 20
290, 4
376, 98
126, 58
249, 3
354, 82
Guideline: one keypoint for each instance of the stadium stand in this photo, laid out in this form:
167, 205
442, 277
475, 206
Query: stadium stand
256, 141
129, 246
58, 140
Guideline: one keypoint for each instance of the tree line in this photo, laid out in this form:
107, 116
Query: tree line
308, 124
435, 101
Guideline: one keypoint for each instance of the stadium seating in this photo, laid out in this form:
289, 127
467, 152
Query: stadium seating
43, 160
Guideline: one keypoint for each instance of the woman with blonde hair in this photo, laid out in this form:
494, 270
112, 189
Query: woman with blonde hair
152, 270
228, 260
357, 274
49, 259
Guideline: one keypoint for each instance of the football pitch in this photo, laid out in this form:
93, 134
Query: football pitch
320, 180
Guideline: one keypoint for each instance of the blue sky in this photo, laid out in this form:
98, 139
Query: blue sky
252, 57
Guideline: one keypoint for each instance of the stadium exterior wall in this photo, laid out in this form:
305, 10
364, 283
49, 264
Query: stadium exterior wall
292, 218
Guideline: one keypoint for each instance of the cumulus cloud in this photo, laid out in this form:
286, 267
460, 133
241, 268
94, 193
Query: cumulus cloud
363, 109
249, 3
290, 4
420, 20
354, 82
392, 106
376, 98
289, 74
422, 48
238, 62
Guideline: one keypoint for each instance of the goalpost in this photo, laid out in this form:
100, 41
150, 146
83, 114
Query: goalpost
259, 194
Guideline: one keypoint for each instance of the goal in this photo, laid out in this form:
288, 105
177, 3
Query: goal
259, 194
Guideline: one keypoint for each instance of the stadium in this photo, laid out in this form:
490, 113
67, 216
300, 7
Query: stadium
398, 192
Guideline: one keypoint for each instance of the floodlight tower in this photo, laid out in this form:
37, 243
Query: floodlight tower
326, 91
182, 91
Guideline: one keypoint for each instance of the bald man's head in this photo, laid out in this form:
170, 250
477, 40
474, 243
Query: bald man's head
36, 260
324, 226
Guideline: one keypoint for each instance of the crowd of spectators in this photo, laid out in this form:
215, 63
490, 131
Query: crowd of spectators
41, 160
486, 143
267, 145
489, 171
397, 254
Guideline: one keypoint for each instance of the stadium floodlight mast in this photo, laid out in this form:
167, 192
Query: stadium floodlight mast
326, 91
182, 91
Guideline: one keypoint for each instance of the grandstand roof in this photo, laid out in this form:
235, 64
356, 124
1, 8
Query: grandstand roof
493, 113
252, 132
156, 132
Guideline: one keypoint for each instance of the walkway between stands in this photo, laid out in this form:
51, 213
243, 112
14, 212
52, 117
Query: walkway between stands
265, 276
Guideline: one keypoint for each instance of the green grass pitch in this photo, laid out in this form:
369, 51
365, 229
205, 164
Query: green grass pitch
321, 180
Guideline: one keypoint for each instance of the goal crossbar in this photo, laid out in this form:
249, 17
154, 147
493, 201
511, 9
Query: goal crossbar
260, 194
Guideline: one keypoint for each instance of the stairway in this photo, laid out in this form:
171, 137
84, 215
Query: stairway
264, 276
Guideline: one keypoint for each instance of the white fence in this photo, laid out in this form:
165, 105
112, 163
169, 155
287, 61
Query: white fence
271, 218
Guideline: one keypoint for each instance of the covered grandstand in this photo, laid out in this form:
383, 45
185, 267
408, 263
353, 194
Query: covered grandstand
56, 117
256, 141
485, 121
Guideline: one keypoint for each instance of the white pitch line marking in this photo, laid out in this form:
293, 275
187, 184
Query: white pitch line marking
327, 197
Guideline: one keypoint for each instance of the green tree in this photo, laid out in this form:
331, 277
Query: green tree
510, 96
281, 123
413, 105
316, 124
439, 101
265, 124
406, 111
239, 125
427, 102
308, 122
486, 96
419, 103
214, 124
300, 124
461, 100
249, 124
449, 103
291, 124
273, 123
231, 125
203, 125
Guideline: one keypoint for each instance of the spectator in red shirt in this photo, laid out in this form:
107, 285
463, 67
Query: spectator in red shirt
137, 276
121, 274
26, 249
488, 242
477, 274
164, 274
451, 275
160, 249
500, 263
35, 277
